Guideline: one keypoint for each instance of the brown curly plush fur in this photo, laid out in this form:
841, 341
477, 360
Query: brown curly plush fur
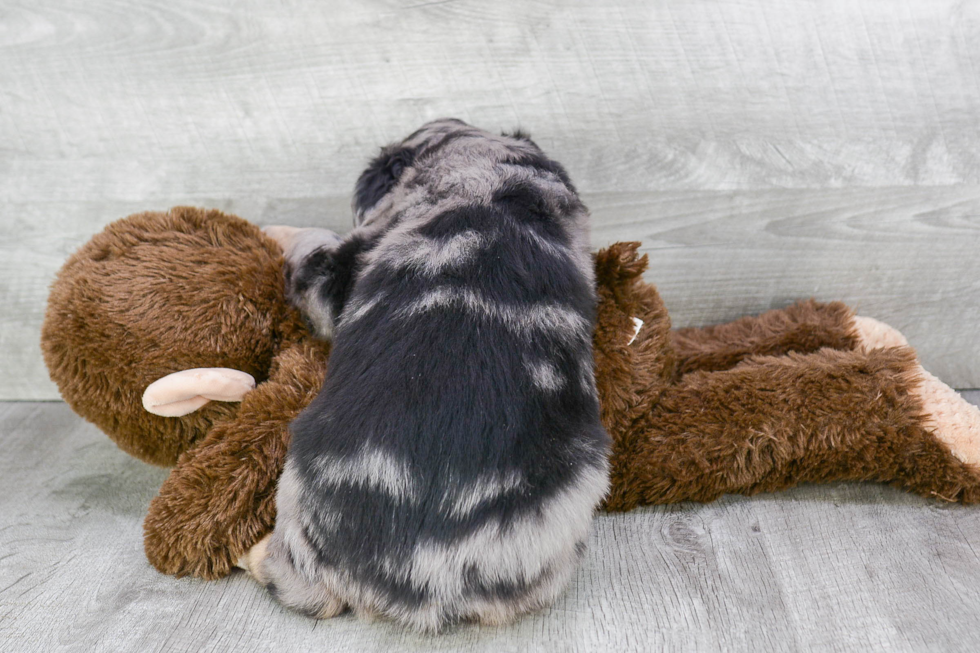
803, 327
760, 404
155, 293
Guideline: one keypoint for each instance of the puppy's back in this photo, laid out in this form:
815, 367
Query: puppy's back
450, 466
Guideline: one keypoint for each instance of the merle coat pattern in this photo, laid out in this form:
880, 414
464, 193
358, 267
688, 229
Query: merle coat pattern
449, 468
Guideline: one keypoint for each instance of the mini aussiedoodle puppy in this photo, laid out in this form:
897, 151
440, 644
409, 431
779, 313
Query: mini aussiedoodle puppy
450, 466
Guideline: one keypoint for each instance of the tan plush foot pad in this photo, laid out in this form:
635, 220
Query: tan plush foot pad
253, 557
954, 420
873, 334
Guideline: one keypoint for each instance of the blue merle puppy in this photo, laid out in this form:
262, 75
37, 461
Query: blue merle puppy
450, 466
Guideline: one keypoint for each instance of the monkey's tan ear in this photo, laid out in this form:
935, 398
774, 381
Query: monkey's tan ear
297, 243
184, 392
285, 236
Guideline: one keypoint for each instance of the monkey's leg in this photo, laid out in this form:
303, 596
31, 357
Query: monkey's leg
773, 422
804, 327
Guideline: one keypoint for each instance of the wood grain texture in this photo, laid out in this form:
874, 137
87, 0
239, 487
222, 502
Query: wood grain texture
904, 255
820, 568
270, 109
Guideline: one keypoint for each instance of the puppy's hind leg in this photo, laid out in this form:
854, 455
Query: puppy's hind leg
286, 563
271, 565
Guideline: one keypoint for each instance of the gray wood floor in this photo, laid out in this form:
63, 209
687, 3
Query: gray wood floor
764, 151
842, 567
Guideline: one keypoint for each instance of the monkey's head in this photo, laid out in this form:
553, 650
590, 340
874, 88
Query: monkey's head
158, 293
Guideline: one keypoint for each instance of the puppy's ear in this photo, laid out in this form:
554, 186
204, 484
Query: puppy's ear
518, 134
380, 176
319, 283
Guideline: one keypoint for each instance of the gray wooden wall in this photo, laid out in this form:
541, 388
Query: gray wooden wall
762, 150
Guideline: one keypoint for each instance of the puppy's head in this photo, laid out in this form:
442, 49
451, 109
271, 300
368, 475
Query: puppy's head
443, 159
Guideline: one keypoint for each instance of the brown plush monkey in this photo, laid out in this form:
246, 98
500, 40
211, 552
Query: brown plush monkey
195, 298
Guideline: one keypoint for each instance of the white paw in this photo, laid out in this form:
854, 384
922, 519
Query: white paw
331, 608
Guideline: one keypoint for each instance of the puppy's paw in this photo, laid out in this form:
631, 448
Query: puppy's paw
330, 608
494, 618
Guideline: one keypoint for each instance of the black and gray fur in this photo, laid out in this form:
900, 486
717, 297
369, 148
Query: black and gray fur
450, 466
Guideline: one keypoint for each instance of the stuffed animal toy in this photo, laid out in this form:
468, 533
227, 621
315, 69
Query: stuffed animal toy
185, 311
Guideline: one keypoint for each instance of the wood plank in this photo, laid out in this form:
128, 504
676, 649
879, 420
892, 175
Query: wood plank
271, 110
201, 99
904, 255
835, 567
